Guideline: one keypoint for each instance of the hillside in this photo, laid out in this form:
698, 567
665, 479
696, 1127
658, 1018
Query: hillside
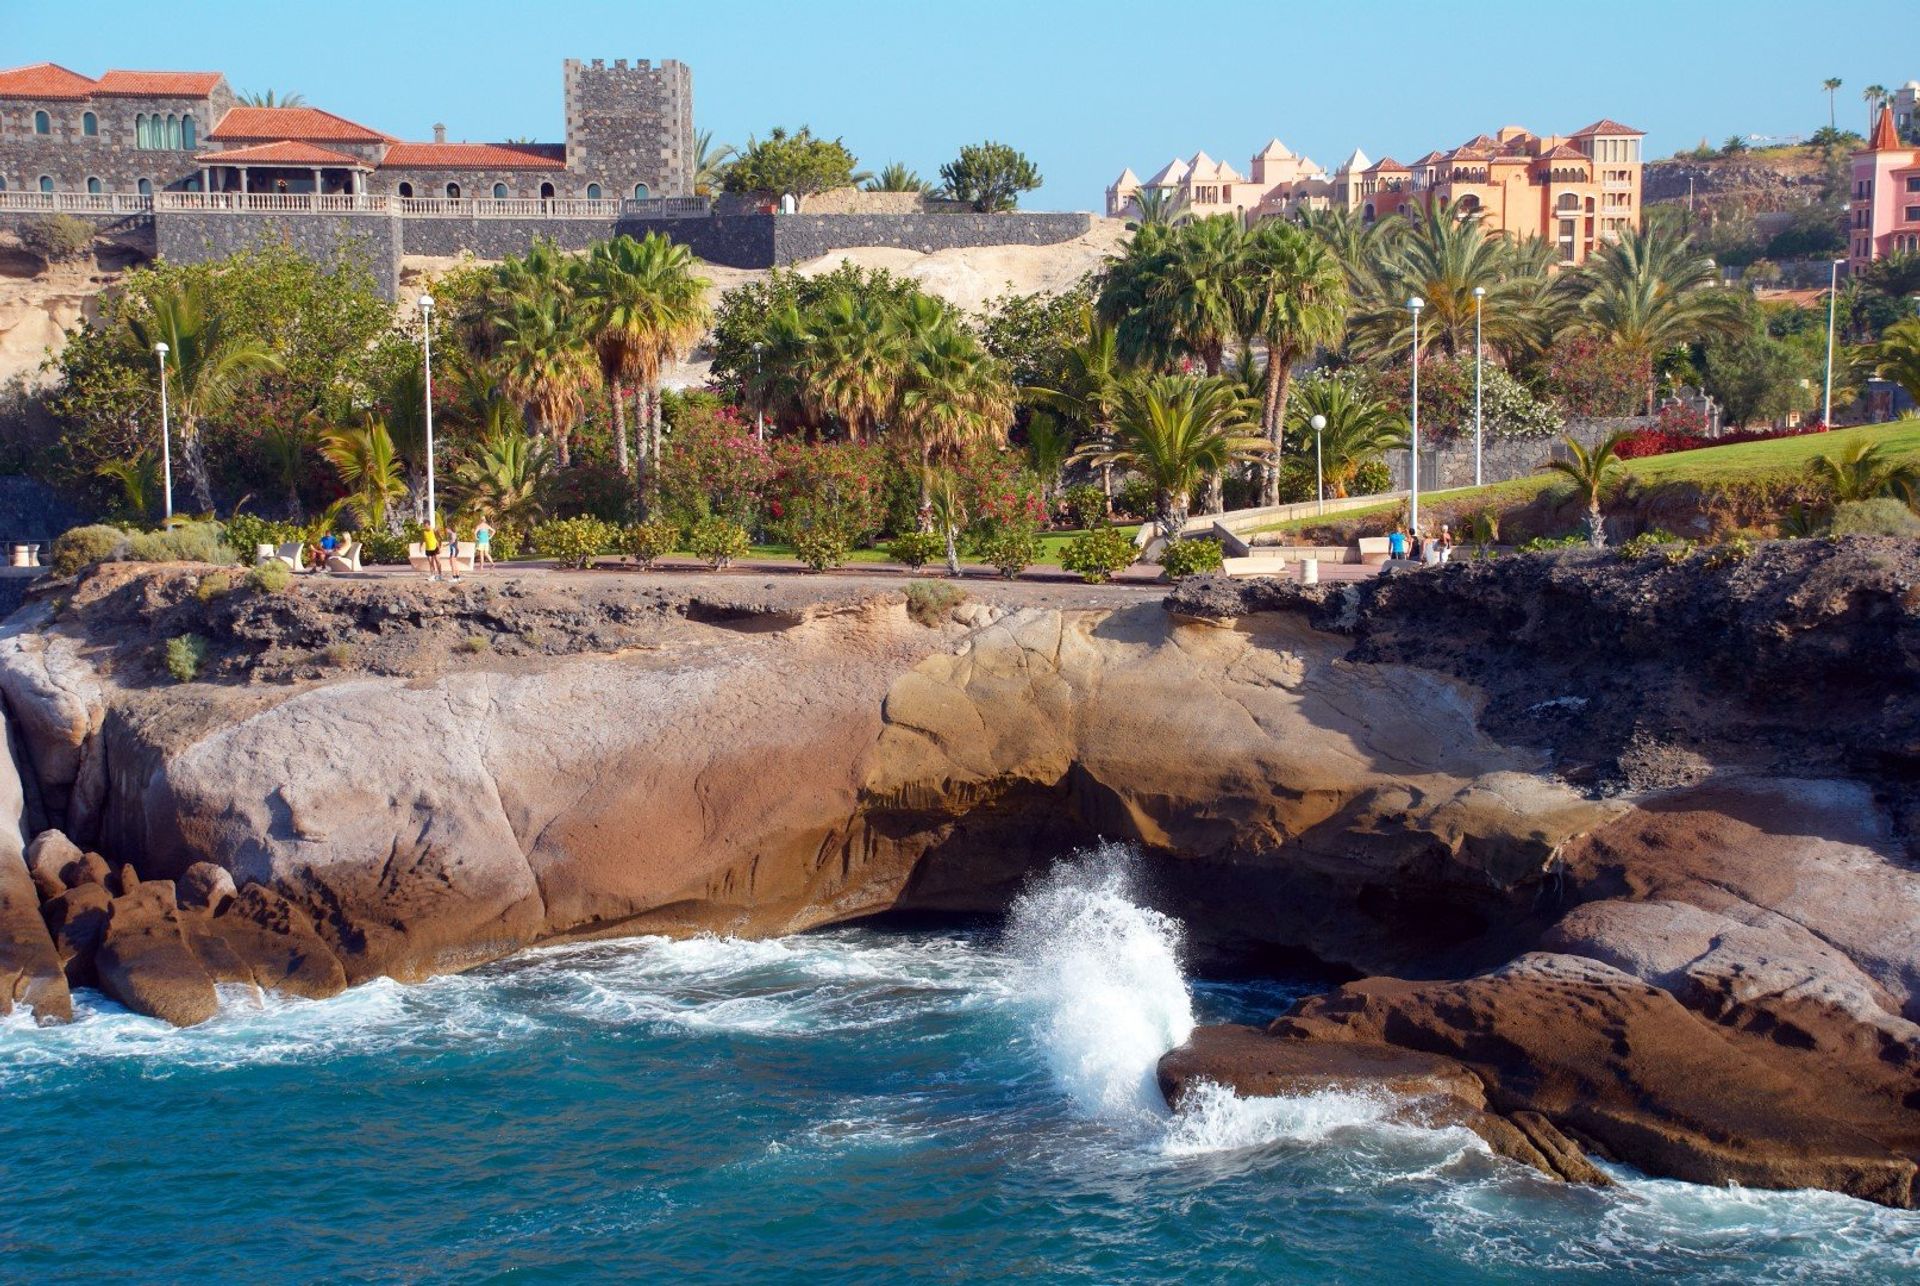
1772, 178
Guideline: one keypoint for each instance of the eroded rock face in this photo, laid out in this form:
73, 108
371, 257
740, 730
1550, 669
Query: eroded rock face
30, 969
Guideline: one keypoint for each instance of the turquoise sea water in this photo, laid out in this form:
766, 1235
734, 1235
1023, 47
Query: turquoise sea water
857, 1105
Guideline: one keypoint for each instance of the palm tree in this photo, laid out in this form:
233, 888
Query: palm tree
896, 177
1161, 207
267, 98
1201, 298
641, 305
947, 504
403, 409
368, 466
1874, 95
1897, 275
775, 385
1831, 84
1863, 471
1300, 294
1049, 444
206, 365
1361, 246
1358, 428
1897, 355
283, 449
1091, 381
1126, 298
139, 479
1590, 472
1648, 292
503, 473
857, 358
952, 394
1443, 256
547, 366
710, 162
1176, 431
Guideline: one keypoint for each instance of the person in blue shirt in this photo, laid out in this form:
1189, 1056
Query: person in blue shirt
1397, 544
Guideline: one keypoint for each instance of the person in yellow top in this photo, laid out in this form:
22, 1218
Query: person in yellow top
430, 546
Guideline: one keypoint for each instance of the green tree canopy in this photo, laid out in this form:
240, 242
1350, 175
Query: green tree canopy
796, 163
990, 176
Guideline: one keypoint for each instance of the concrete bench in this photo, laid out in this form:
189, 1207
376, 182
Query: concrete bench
1373, 550
462, 556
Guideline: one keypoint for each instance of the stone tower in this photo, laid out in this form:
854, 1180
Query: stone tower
629, 125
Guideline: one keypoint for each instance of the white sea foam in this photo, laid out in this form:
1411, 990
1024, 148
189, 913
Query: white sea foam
1104, 973
1212, 1118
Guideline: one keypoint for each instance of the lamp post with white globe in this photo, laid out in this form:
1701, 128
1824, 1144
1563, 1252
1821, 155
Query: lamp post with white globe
1319, 424
426, 358
166, 449
1479, 303
1414, 305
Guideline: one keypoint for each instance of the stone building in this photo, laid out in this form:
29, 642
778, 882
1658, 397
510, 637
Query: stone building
629, 137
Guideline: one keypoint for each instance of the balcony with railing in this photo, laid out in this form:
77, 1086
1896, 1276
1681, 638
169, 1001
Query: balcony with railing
75, 203
420, 207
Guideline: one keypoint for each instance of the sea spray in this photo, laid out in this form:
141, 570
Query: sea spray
1104, 975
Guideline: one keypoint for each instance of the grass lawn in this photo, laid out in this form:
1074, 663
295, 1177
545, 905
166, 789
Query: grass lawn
1777, 460
1052, 545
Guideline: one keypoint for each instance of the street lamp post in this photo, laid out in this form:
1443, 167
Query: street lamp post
426, 359
166, 449
1414, 305
1318, 422
759, 398
1479, 303
1833, 301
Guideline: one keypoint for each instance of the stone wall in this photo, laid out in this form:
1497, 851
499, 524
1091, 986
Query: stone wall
805, 236
476, 184
70, 156
196, 236
856, 201
1503, 460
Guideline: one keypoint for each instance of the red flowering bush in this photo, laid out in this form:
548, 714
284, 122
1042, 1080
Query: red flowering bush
1590, 378
1646, 442
819, 486
713, 465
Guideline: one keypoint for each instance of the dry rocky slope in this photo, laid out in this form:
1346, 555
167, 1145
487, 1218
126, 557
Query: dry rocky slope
1613, 859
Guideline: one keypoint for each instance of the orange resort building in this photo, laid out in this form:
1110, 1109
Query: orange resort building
1886, 196
1574, 191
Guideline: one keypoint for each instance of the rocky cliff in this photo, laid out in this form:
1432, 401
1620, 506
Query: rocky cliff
1613, 856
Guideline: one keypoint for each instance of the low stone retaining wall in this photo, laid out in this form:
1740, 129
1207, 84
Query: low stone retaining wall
1502, 461
200, 235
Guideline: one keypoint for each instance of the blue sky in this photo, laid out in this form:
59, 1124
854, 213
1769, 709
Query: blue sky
1083, 88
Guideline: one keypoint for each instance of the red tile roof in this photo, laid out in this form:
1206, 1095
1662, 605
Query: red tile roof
267, 124
475, 156
1885, 137
170, 84
43, 80
284, 152
1385, 163
1604, 126
1564, 152
1431, 158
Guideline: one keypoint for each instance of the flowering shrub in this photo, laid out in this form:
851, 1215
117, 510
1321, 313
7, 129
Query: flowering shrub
573, 542
1590, 378
1681, 417
916, 548
840, 486
1000, 495
650, 541
1509, 411
713, 464
718, 541
1011, 549
1646, 442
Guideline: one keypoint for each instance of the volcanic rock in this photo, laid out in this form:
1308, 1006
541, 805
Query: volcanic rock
144, 961
53, 859
205, 887
30, 971
77, 920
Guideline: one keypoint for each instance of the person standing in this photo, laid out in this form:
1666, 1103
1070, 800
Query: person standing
1446, 543
483, 544
430, 546
1396, 542
450, 551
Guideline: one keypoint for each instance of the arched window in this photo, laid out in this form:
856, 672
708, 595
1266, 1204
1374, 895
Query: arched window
406, 189
140, 136
144, 187
639, 191
3, 183
42, 123
90, 125
453, 190
173, 131
93, 186
546, 191
188, 135
593, 191
46, 184
499, 191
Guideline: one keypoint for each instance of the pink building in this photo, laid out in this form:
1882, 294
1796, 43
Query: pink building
1886, 197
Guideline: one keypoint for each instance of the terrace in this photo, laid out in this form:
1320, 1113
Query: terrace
124, 203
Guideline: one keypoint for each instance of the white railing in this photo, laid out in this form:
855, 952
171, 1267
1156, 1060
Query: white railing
271, 202
76, 202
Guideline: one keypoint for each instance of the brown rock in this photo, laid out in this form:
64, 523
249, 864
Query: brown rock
1609, 1058
90, 869
30, 971
144, 961
277, 944
49, 857
126, 880
77, 919
205, 887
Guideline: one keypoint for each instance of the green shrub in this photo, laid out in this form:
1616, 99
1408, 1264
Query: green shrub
1370, 477
1196, 557
1011, 548
1137, 497
822, 546
931, 602
1646, 544
717, 541
83, 546
650, 541
337, 654
573, 542
271, 577
186, 653
1541, 544
1098, 554
1882, 517
216, 585
1085, 504
475, 643
245, 533
383, 549
189, 542
57, 237
916, 549
1732, 550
